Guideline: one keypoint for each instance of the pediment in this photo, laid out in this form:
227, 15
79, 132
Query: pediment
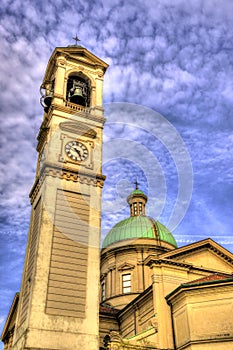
81, 54
78, 128
126, 266
206, 253
88, 58
77, 54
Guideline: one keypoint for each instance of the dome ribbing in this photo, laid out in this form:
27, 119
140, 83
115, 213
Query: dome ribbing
136, 227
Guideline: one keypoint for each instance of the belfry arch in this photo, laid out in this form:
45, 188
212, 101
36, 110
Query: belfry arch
78, 89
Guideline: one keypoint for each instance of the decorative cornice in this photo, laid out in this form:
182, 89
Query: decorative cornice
65, 174
78, 128
221, 254
153, 261
111, 268
145, 245
72, 108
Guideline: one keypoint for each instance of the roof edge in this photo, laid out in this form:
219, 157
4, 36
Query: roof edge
191, 286
10, 314
207, 242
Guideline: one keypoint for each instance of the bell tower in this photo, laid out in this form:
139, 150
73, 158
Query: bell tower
58, 307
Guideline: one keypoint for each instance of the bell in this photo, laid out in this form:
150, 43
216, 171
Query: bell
48, 99
77, 97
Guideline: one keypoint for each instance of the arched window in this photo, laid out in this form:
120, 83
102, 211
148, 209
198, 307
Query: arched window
135, 209
140, 208
79, 89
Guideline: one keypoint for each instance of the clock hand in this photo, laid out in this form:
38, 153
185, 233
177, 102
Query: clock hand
76, 150
79, 153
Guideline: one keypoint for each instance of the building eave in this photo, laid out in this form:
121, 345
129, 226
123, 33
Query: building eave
10, 315
206, 243
198, 285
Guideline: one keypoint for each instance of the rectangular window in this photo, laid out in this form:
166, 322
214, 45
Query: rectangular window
126, 283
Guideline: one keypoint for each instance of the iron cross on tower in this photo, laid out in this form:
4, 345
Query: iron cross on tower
76, 40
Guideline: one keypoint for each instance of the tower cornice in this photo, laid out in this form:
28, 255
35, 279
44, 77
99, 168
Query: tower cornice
83, 177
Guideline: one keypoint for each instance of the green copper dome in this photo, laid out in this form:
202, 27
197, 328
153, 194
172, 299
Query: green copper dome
137, 192
138, 227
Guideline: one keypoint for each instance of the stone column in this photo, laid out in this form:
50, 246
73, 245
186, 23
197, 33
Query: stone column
139, 271
59, 80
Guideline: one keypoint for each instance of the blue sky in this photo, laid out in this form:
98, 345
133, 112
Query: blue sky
168, 94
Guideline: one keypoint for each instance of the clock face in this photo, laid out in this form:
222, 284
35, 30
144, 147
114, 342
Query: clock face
76, 151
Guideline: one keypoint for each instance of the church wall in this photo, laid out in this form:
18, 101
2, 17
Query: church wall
181, 321
202, 317
166, 277
107, 324
145, 312
137, 317
128, 326
114, 266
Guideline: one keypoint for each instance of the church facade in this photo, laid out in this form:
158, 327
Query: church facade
140, 291
158, 296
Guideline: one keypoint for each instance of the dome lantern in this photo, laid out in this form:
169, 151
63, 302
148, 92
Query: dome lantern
137, 202
139, 227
